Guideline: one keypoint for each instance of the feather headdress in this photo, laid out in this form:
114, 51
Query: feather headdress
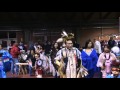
65, 36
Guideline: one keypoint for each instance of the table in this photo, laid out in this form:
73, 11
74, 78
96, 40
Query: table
21, 68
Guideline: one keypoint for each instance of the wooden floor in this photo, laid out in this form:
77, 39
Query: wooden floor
9, 75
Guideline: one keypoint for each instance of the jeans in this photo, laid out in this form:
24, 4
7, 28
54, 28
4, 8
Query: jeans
14, 68
30, 70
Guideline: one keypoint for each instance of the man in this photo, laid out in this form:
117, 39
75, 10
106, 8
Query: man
48, 48
97, 46
71, 57
111, 42
15, 51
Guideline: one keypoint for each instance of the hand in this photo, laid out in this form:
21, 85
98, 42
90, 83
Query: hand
102, 67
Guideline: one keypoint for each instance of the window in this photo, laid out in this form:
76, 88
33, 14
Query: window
12, 34
3, 35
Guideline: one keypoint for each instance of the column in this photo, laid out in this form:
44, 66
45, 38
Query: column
27, 36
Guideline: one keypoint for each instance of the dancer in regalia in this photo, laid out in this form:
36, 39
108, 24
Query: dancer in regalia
105, 61
68, 59
38, 66
5, 62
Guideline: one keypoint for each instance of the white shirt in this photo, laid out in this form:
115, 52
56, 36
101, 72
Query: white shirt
97, 46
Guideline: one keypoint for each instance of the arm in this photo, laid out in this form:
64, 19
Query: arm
78, 54
78, 58
113, 57
100, 61
58, 57
35, 65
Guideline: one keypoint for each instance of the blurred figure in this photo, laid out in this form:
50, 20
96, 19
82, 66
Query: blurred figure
115, 70
31, 60
97, 47
2, 72
48, 48
111, 42
15, 52
38, 66
5, 62
105, 61
54, 51
45, 61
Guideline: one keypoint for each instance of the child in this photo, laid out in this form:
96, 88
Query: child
115, 70
38, 66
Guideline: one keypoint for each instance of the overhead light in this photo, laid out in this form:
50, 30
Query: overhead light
43, 29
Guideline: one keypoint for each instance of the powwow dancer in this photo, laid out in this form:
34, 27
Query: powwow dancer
68, 59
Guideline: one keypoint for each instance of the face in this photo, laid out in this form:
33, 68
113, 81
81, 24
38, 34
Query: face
55, 45
111, 38
89, 44
106, 50
36, 56
69, 44
115, 72
32, 52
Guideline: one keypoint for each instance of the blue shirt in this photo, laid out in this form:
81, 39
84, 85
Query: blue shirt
111, 76
6, 54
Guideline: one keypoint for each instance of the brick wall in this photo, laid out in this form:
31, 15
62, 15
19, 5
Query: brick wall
83, 35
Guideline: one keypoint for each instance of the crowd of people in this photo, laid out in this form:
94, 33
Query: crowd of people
66, 60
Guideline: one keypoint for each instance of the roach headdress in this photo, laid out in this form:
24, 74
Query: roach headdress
65, 36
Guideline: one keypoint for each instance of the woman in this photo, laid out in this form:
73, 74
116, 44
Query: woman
31, 60
89, 59
38, 49
105, 61
55, 49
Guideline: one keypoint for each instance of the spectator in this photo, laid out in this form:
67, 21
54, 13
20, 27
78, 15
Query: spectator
111, 42
15, 51
31, 60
